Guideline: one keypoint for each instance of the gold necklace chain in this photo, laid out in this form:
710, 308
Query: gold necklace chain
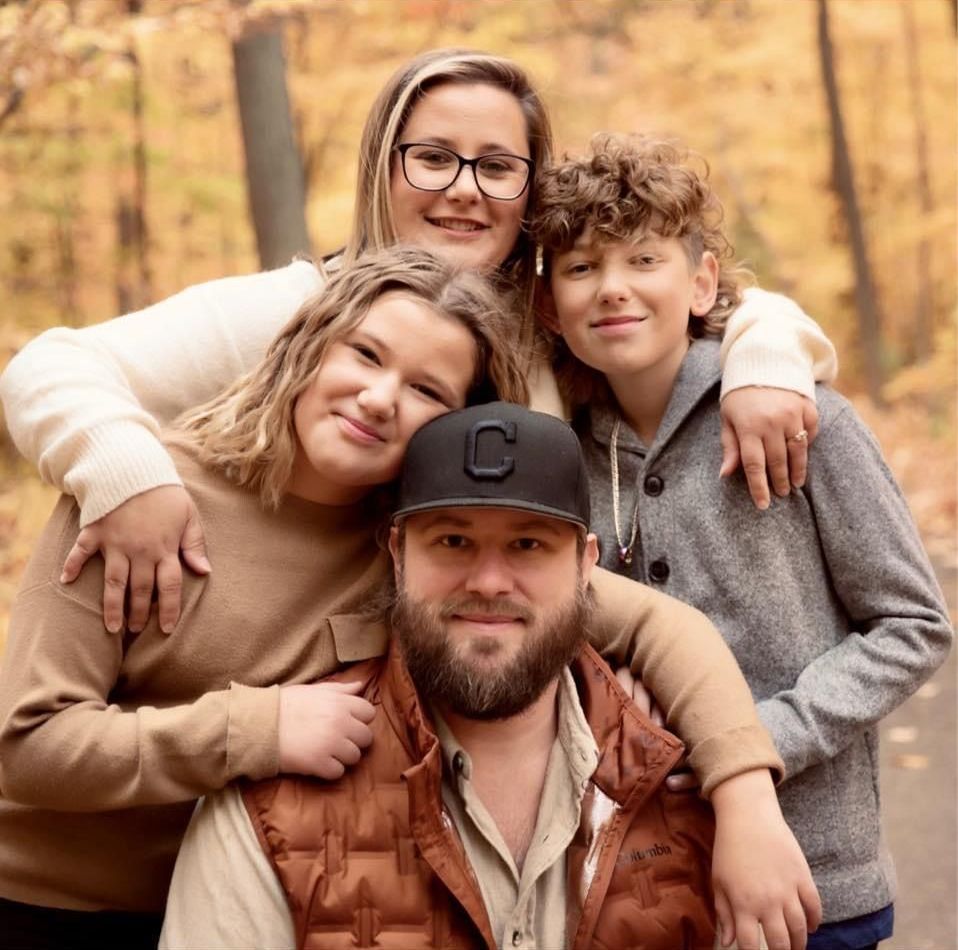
625, 550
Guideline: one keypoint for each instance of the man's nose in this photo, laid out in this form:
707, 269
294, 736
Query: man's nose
490, 575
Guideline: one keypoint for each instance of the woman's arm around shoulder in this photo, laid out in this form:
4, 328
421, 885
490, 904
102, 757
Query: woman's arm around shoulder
772, 354
85, 405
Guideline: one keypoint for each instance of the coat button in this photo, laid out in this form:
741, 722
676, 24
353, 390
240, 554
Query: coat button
654, 485
516, 938
659, 571
458, 762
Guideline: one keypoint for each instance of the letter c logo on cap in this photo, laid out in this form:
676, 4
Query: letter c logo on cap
506, 463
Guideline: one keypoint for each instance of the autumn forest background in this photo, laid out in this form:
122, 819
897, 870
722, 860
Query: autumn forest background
830, 128
149, 144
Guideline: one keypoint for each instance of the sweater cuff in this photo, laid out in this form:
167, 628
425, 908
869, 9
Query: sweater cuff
732, 753
252, 735
752, 363
114, 463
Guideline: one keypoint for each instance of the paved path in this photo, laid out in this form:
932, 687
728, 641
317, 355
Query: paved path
919, 798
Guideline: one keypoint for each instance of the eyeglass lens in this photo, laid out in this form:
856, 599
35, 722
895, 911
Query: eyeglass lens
434, 168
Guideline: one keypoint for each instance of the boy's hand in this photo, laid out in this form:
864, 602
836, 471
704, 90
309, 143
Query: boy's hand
141, 542
759, 429
323, 728
759, 874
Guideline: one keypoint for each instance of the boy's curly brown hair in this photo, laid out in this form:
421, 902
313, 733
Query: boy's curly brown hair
625, 187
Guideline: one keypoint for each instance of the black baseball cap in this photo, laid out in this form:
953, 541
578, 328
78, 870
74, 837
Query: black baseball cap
497, 455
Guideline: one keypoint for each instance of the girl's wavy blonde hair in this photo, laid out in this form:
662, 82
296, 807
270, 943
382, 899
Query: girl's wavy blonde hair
247, 432
373, 224
625, 187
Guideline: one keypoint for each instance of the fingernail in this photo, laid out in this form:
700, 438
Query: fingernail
63, 578
167, 627
113, 628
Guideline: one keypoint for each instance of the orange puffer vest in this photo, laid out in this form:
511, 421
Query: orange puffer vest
373, 860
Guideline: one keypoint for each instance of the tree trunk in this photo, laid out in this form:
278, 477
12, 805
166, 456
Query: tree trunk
274, 172
869, 321
134, 277
924, 304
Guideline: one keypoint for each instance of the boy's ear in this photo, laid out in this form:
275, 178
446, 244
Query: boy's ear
705, 285
544, 306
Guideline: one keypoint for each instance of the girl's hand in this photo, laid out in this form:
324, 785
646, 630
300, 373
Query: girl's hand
759, 425
759, 874
141, 542
323, 728
640, 695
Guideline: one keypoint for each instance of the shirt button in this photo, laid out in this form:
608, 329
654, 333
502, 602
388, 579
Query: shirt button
654, 485
458, 761
516, 938
659, 571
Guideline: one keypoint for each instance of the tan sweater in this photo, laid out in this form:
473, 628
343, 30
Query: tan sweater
105, 741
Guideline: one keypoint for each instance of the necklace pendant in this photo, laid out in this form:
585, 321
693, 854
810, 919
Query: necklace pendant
625, 556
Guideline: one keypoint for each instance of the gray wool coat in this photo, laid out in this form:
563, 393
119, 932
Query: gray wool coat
827, 600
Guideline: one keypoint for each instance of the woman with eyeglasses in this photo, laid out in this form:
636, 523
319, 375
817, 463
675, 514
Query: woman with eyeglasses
447, 162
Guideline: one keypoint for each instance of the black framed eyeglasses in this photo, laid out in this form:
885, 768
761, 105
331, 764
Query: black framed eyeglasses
434, 168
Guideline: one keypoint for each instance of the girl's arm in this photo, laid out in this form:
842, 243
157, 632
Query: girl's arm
684, 662
772, 355
759, 873
899, 631
67, 744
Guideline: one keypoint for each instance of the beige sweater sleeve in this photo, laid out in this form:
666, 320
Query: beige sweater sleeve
684, 662
86, 405
64, 745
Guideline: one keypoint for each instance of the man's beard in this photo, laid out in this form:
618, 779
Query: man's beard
446, 675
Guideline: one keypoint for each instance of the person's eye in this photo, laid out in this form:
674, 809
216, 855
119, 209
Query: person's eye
434, 158
430, 392
527, 544
366, 352
498, 165
455, 541
577, 268
645, 260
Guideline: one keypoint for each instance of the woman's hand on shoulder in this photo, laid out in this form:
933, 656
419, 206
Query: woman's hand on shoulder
140, 542
762, 429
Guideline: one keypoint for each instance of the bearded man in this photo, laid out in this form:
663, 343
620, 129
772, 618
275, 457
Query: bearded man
512, 795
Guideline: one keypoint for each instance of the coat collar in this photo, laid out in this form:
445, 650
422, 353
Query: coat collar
699, 373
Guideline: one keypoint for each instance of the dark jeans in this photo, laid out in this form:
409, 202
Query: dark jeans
30, 927
858, 933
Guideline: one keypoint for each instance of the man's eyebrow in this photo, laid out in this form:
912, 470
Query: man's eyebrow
444, 519
549, 525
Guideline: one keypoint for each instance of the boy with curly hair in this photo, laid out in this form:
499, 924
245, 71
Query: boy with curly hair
827, 598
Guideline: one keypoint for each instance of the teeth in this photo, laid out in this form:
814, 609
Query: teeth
456, 225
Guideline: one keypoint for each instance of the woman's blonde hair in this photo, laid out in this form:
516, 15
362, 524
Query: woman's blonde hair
625, 187
373, 225
247, 432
